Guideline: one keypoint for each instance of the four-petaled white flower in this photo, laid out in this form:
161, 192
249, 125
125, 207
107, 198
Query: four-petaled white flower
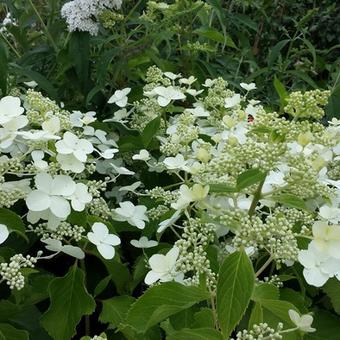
248, 87
175, 163
4, 233
10, 108
10, 130
80, 197
187, 195
51, 194
143, 155
120, 97
167, 94
303, 322
232, 101
104, 241
144, 242
38, 159
134, 215
163, 268
327, 238
57, 247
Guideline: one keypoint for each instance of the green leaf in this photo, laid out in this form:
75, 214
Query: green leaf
159, 302
291, 201
275, 51
221, 189
332, 289
248, 178
256, 316
115, 310
279, 309
203, 318
13, 222
281, 91
8, 332
69, 302
265, 291
150, 130
327, 326
235, 286
215, 35
196, 334
102, 285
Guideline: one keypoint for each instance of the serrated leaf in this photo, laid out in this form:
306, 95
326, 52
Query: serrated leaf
115, 309
248, 178
196, 334
256, 316
332, 289
150, 130
235, 286
13, 222
265, 291
159, 302
69, 302
8, 332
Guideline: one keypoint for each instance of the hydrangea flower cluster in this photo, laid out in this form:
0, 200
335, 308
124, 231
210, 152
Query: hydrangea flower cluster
253, 178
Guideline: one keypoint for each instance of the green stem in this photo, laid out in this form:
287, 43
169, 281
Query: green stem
44, 26
86, 317
11, 46
264, 266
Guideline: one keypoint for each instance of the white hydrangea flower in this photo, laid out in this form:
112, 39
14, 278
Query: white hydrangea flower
51, 194
166, 94
163, 268
10, 130
199, 111
80, 197
187, 81
248, 87
144, 242
326, 238
175, 163
4, 233
171, 75
131, 187
10, 107
120, 97
119, 116
38, 162
168, 222
104, 241
187, 195
134, 215
330, 213
232, 101
303, 322
57, 247
143, 155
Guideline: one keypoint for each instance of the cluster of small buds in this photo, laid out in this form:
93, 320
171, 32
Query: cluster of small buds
307, 105
273, 279
109, 18
99, 207
64, 230
156, 212
90, 169
274, 234
199, 47
96, 187
10, 272
334, 170
217, 94
297, 217
193, 257
9, 197
11, 165
155, 77
166, 196
146, 110
232, 217
259, 332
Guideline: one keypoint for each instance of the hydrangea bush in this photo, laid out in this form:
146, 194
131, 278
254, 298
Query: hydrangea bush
192, 212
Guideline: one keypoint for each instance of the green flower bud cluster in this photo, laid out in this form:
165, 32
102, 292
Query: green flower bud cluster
260, 331
99, 207
109, 18
160, 194
156, 212
307, 105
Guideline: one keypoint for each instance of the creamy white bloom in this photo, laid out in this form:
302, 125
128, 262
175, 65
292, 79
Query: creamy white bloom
38, 162
10, 130
175, 163
121, 170
326, 238
187, 81
4, 233
330, 213
168, 222
187, 195
199, 111
120, 97
248, 87
104, 241
119, 116
80, 197
144, 242
131, 187
72, 145
51, 194
58, 247
232, 101
166, 94
171, 75
10, 107
303, 322
134, 215
163, 268
143, 155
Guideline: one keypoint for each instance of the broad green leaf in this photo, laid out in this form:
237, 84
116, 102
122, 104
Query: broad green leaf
235, 286
203, 318
275, 51
196, 334
12, 221
256, 316
332, 289
248, 178
279, 309
150, 130
300, 301
120, 276
159, 302
215, 35
101, 286
265, 291
291, 201
281, 91
115, 309
69, 302
183, 319
327, 326
8, 332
